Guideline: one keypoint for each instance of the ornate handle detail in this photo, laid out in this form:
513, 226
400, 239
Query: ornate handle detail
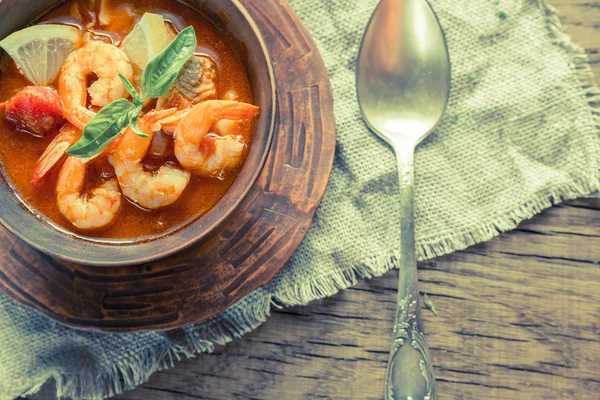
410, 372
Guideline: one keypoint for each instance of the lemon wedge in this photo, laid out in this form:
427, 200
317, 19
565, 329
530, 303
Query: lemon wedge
148, 39
39, 51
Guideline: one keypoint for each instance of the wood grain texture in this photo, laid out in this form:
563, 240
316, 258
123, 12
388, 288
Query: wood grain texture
243, 253
519, 316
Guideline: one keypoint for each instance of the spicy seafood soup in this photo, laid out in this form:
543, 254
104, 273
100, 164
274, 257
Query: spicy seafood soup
134, 186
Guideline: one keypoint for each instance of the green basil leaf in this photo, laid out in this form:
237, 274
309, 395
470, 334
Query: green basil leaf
102, 129
161, 72
133, 120
131, 90
158, 77
136, 128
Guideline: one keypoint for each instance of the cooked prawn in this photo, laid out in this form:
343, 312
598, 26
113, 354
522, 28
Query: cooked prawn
149, 190
55, 152
227, 126
93, 211
167, 119
210, 155
104, 60
57, 149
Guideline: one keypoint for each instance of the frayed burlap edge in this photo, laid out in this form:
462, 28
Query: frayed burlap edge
128, 374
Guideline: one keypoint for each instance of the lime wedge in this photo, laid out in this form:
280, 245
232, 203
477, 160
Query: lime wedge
147, 40
39, 51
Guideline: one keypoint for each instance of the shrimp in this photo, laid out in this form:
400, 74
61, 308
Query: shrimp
57, 149
55, 152
167, 119
104, 60
210, 155
149, 190
227, 126
93, 211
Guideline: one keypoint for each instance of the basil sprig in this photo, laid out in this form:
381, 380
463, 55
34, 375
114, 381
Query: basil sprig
159, 75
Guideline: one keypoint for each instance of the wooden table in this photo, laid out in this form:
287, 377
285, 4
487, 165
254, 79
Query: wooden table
518, 317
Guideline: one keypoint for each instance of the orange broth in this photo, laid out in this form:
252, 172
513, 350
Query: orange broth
19, 151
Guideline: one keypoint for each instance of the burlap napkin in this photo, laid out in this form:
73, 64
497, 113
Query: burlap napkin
519, 135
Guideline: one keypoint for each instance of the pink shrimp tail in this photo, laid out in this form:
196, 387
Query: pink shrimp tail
234, 110
250, 111
55, 152
48, 161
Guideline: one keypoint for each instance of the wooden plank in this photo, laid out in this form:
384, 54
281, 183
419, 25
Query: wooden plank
519, 316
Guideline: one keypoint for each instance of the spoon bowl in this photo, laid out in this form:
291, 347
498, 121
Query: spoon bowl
403, 74
403, 85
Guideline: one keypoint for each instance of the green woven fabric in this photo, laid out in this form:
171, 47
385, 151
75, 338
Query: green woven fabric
519, 135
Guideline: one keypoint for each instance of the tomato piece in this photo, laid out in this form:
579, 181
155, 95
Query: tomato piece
36, 110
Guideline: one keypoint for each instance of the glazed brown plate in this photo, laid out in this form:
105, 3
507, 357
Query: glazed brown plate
36, 230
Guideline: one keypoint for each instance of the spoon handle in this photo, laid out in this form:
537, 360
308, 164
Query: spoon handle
409, 372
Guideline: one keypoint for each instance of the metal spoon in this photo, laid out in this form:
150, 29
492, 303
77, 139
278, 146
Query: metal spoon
403, 84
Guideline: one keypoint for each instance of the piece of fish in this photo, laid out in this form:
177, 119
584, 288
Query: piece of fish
195, 83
